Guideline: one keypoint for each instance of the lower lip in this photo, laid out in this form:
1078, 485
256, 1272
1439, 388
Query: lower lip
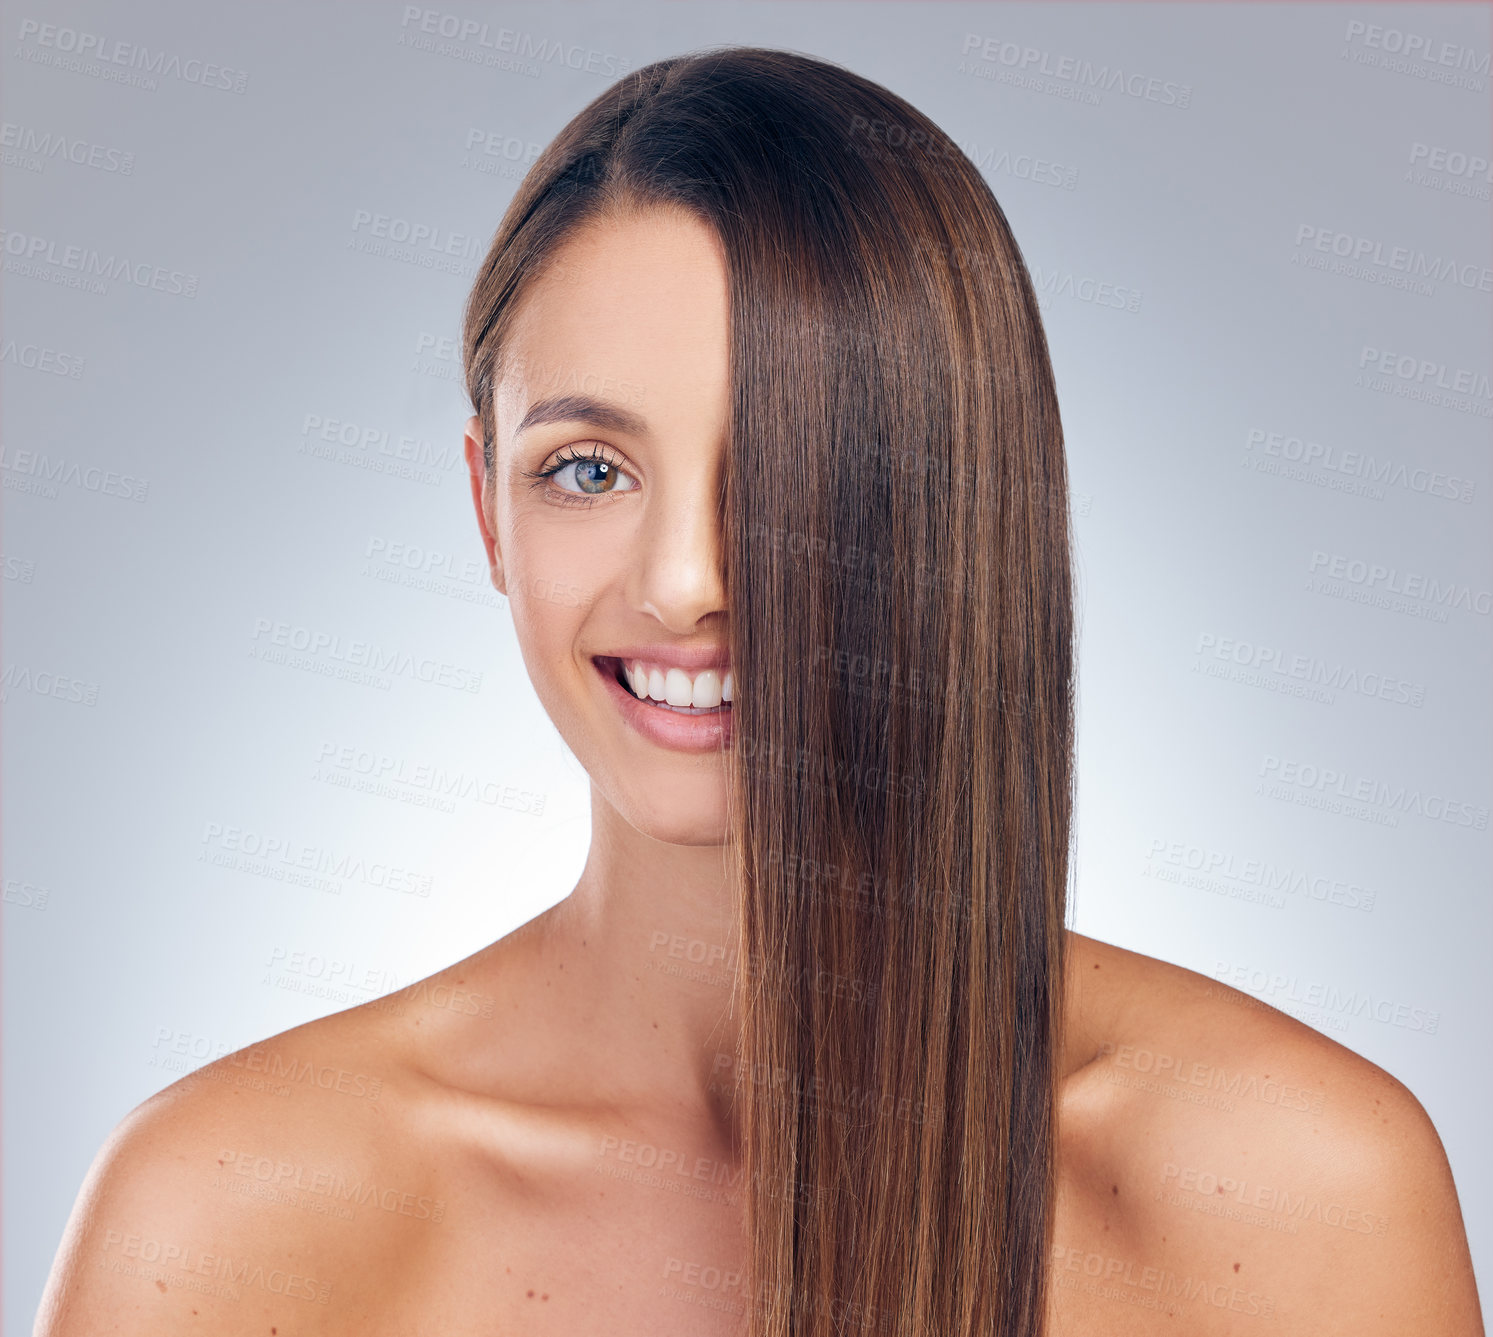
667, 728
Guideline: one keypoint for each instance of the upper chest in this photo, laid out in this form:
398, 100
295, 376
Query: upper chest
650, 1240
645, 1233
642, 1237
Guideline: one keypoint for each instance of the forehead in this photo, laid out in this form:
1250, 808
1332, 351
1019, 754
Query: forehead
631, 308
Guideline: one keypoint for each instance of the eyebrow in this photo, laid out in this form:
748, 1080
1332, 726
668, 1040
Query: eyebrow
582, 408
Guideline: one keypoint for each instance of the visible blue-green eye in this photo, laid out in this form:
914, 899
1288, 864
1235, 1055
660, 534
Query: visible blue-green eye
596, 474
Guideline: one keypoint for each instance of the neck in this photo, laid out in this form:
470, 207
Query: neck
647, 946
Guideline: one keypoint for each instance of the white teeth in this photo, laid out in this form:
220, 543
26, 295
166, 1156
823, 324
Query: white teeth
705, 694
678, 690
704, 690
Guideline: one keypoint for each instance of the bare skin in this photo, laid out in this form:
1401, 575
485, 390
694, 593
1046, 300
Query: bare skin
538, 1138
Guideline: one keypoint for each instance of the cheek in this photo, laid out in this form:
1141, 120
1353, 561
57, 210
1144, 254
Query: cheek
561, 559
555, 574
548, 631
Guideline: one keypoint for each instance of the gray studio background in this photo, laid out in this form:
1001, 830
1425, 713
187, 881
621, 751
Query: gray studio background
245, 437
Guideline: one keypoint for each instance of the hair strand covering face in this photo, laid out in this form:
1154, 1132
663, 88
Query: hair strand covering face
896, 552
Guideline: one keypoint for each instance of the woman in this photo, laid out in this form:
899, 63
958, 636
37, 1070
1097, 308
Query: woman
766, 457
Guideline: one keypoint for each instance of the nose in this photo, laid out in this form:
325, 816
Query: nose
677, 576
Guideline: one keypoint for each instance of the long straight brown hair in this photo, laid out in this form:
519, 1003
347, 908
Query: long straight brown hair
895, 547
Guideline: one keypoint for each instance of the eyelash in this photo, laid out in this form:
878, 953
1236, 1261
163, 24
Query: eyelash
569, 455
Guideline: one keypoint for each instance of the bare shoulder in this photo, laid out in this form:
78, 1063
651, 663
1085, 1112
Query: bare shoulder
1228, 1160
271, 1189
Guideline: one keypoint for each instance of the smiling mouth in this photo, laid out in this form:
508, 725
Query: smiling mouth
613, 665
621, 677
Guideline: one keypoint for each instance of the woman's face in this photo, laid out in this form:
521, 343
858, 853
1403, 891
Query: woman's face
621, 347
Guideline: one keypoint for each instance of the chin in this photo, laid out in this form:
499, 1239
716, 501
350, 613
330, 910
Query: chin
698, 818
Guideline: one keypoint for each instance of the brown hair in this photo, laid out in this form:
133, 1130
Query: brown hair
895, 549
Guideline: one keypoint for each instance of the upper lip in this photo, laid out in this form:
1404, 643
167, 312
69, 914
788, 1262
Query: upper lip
690, 658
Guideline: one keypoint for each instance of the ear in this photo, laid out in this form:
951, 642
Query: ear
477, 469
